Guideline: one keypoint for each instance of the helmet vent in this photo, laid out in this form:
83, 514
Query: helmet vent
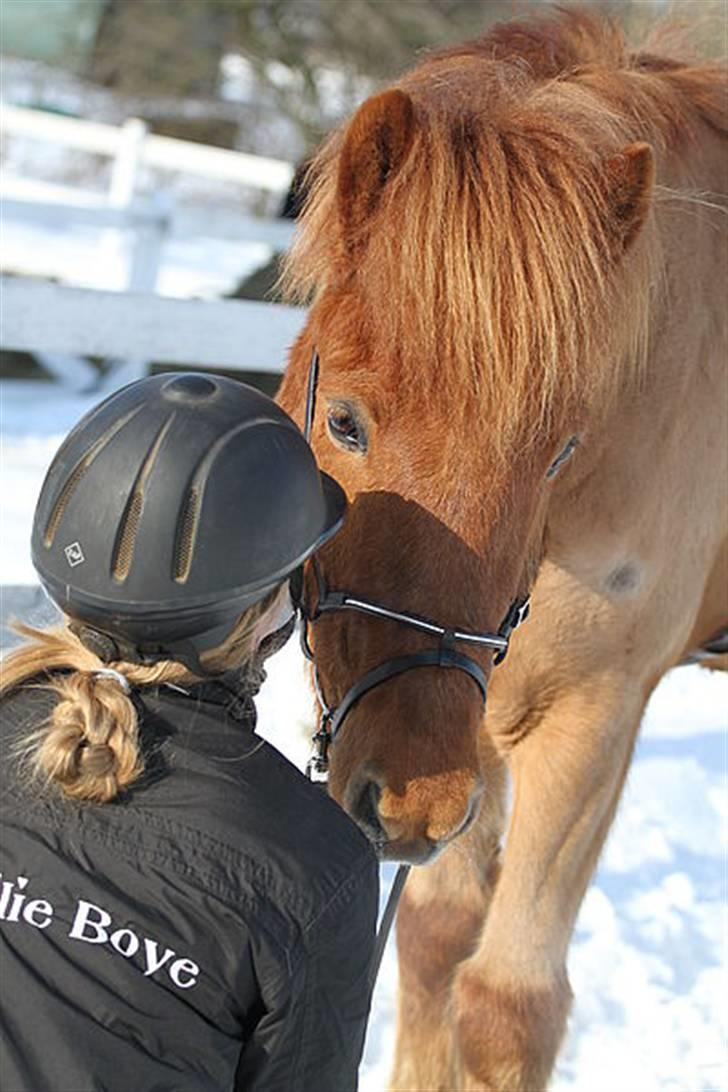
77, 474
186, 535
125, 549
126, 541
66, 493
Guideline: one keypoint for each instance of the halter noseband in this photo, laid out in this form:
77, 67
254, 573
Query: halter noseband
444, 655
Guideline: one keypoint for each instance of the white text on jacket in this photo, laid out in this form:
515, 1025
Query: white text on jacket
91, 924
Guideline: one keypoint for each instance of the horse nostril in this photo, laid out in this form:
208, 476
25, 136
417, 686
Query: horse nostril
471, 814
366, 811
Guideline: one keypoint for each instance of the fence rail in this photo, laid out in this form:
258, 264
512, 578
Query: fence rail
168, 153
37, 316
192, 221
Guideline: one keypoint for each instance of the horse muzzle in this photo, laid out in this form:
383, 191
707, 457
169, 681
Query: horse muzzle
400, 835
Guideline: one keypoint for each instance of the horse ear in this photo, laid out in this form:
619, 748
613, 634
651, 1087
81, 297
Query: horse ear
630, 176
376, 145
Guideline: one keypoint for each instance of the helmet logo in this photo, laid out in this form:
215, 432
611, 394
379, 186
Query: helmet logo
74, 554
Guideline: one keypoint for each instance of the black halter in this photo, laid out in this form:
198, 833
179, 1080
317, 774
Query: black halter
443, 655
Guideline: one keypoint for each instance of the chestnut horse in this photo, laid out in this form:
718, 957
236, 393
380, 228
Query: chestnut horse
517, 268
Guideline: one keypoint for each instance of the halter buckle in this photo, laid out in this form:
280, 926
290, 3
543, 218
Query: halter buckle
317, 767
517, 613
523, 611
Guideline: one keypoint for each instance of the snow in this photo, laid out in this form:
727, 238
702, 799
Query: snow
647, 963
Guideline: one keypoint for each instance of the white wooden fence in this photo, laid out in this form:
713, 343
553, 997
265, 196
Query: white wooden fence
62, 324
131, 144
37, 316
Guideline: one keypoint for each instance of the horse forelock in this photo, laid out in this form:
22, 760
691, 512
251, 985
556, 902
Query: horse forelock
487, 265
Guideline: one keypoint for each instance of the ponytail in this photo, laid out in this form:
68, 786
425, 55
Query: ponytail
89, 745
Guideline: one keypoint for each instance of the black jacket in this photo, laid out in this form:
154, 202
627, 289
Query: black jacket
213, 931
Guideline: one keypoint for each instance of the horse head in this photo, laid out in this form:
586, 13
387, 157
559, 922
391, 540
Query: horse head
461, 257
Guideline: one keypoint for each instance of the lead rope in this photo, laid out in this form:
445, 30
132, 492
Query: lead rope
388, 917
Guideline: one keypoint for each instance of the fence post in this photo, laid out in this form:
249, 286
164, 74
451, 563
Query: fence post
143, 251
118, 247
128, 159
150, 223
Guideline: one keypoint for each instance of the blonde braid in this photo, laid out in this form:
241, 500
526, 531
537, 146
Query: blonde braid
89, 746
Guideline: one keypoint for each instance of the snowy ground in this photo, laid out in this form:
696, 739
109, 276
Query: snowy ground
648, 960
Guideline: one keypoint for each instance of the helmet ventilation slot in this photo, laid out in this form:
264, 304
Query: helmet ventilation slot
126, 539
125, 549
66, 493
186, 535
77, 474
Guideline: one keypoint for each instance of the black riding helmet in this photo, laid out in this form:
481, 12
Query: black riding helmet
171, 508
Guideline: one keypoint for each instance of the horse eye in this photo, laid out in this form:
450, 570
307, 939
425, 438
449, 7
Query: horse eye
571, 444
345, 430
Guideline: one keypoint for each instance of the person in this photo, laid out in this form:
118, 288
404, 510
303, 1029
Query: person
180, 909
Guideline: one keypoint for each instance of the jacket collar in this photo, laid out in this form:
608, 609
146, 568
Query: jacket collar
227, 692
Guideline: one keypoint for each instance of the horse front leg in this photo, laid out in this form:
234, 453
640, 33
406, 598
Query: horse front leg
439, 920
511, 998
